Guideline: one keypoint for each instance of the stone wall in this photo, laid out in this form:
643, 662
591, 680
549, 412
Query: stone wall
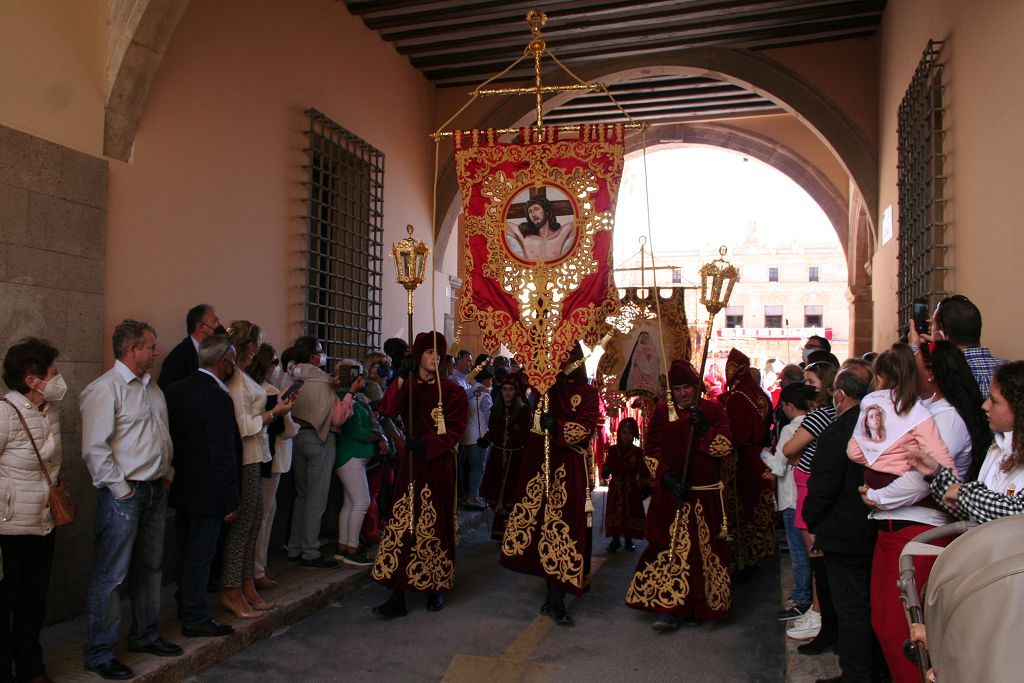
53, 215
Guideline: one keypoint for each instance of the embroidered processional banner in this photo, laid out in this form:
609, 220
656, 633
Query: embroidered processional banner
634, 356
539, 213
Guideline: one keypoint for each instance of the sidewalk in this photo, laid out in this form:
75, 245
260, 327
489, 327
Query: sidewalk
803, 668
300, 592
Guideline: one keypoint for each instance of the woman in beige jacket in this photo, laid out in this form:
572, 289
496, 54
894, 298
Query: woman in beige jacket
250, 400
26, 523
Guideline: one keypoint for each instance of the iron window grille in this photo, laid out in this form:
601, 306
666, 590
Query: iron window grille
814, 316
923, 247
773, 316
344, 239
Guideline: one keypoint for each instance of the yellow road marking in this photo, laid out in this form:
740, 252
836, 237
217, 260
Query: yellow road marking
513, 665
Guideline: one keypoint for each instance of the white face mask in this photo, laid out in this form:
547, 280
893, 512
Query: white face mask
806, 353
55, 389
836, 401
323, 360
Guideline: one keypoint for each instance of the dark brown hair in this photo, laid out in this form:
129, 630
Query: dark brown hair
30, 356
1010, 380
826, 372
898, 371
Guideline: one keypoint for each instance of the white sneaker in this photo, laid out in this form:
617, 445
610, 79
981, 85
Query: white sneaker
805, 627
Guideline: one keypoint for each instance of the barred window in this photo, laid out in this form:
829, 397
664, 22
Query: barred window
773, 316
734, 316
922, 187
344, 240
814, 316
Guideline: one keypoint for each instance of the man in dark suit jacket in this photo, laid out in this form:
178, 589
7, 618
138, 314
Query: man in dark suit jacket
201, 322
838, 518
206, 488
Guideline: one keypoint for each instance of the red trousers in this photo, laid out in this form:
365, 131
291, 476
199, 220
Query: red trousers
375, 479
887, 615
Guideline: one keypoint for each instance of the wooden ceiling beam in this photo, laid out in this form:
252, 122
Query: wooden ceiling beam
761, 109
598, 101
635, 24
745, 97
463, 72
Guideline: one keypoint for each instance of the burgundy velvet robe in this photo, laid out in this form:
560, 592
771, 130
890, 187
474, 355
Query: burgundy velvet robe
692, 579
417, 548
752, 496
508, 436
548, 536
624, 507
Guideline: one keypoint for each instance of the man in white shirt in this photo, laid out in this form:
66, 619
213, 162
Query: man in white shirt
126, 446
463, 364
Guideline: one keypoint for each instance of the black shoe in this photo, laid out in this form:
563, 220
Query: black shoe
545, 609
614, 545
834, 679
794, 612
112, 670
629, 546
817, 646
158, 647
210, 628
294, 558
321, 562
392, 607
559, 614
435, 602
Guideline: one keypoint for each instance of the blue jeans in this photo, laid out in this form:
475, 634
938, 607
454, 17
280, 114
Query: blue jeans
472, 460
312, 469
801, 594
129, 544
197, 544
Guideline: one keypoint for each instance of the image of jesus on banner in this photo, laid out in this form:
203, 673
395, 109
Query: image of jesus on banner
541, 224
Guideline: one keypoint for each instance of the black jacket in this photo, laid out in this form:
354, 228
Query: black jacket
207, 447
834, 512
181, 362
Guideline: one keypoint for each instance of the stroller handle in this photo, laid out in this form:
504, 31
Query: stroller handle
914, 547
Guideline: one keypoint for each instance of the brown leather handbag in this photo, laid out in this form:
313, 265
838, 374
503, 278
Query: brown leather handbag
62, 505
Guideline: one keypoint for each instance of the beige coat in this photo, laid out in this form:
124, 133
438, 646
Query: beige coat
24, 493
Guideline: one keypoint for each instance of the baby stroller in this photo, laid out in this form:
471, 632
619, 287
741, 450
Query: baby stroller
971, 608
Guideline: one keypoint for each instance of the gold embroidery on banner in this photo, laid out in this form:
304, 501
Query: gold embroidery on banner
386, 563
521, 520
720, 446
540, 333
430, 567
559, 556
717, 590
574, 432
664, 582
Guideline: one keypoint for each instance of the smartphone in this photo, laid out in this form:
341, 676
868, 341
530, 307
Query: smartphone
354, 374
290, 392
920, 315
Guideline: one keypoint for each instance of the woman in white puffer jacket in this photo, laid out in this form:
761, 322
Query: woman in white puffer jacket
26, 523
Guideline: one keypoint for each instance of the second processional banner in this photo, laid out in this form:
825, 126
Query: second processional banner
539, 213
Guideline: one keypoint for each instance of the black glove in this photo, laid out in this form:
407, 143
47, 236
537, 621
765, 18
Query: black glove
483, 442
406, 367
699, 422
416, 445
547, 421
677, 488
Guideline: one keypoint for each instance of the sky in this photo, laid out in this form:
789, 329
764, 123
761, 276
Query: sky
712, 195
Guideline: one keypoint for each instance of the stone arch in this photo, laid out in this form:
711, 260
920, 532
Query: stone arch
138, 32
754, 71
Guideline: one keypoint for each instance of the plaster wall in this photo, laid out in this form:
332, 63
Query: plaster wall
53, 79
984, 146
210, 208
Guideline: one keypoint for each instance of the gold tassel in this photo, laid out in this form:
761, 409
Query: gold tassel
441, 429
673, 416
536, 420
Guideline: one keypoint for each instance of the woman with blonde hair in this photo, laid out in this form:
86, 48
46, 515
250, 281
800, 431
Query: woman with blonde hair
238, 577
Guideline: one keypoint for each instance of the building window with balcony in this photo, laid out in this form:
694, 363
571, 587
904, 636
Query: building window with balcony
733, 316
773, 275
814, 316
773, 316
812, 274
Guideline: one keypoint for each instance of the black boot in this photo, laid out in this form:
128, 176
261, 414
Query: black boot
435, 602
556, 607
614, 545
629, 544
393, 607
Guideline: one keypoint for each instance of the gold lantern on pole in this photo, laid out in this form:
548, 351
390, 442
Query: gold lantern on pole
410, 256
717, 279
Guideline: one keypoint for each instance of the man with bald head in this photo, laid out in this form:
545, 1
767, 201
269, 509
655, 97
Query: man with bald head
838, 518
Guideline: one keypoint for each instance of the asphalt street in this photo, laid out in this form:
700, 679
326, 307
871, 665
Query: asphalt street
491, 631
